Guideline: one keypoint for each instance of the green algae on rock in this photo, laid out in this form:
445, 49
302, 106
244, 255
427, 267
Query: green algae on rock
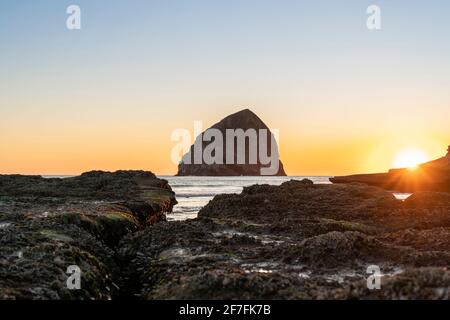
297, 241
50, 224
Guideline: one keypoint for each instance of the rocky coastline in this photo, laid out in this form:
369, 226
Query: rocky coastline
299, 241
294, 241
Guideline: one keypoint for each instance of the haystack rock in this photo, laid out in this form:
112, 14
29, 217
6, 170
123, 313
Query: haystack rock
245, 120
429, 176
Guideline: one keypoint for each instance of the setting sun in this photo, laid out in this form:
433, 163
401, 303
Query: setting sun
410, 158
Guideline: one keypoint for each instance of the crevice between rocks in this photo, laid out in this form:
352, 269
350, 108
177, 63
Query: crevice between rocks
128, 281
112, 228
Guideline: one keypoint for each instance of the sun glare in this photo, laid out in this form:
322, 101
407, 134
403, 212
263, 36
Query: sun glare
410, 158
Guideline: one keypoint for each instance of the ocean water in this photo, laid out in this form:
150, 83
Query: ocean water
195, 192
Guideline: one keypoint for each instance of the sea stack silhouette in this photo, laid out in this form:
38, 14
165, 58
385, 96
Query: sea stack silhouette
429, 176
245, 120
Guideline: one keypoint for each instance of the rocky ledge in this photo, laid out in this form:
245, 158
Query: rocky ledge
298, 241
47, 225
294, 241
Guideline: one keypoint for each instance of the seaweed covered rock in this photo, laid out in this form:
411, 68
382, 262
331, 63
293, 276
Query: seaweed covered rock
294, 241
297, 241
47, 225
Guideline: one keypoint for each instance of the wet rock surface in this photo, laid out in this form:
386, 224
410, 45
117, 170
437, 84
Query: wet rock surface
294, 241
46, 225
297, 241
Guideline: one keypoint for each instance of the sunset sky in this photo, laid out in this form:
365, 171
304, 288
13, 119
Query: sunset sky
344, 98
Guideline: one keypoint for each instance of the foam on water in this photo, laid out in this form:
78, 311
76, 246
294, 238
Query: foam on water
195, 192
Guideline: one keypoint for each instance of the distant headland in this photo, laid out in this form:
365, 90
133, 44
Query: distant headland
429, 176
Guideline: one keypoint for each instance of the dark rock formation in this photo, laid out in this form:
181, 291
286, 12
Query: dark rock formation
298, 241
47, 225
430, 176
294, 241
244, 120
